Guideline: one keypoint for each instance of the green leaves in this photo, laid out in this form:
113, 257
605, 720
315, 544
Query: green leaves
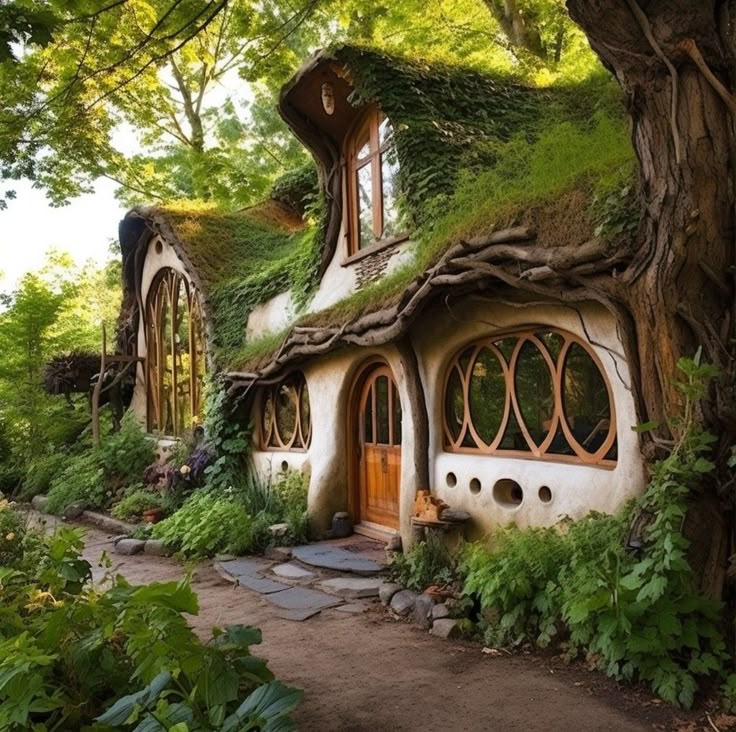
126, 709
265, 710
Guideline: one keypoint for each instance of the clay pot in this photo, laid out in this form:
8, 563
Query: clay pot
152, 515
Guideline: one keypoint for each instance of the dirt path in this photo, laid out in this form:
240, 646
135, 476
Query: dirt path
368, 672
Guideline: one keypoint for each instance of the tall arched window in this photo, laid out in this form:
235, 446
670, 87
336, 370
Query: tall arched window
537, 393
175, 362
286, 421
372, 169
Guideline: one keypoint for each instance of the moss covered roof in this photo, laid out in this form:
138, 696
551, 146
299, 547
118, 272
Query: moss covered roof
475, 152
237, 259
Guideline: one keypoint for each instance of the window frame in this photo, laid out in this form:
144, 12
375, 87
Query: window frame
369, 119
167, 284
558, 419
264, 437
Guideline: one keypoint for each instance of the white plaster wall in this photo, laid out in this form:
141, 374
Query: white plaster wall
152, 265
329, 382
271, 315
338, 282
575, 489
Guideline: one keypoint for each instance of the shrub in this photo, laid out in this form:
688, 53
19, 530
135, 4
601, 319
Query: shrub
427, 563
75, 656
126, 454
133, 505
209, 522
81, 481
12, 533
640, 616
91, 478
292, 490
40, 474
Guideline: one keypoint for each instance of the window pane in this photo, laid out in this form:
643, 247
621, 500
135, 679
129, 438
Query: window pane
487, 395
506, 346
305, 414
513, 437
389, 183
182, 362
454, 404
585, 399
397, 416
364, 183
268, 436
534, 391
382, 416
385, 130
368, 417
363, 144
167, 375
286, 411
553, 343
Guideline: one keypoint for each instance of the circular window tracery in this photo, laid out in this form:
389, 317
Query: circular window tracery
286, 422
536, 393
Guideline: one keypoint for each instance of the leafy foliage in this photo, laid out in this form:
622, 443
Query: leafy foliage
640, 616
138, 500
427, 563
91, 478
78, 656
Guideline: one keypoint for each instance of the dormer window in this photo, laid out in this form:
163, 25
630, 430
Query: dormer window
372, 169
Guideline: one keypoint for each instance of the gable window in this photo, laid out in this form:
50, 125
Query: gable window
175, 361
537, 393
286, 422
372, 169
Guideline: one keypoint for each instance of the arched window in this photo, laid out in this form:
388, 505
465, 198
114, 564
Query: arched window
286, 421
537, 393
175, 362
372, 169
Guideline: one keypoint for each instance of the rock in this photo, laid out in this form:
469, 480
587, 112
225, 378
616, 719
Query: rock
156, 548
342, 526
130, 546
280, 553
440, 611
354, 608
352, 588
73, 511
423, 610
224, 557
445, 628
387, 590
120, 537
451, 514
39, 503
279, 531
108, 523
292, 571
394, 543
402, 603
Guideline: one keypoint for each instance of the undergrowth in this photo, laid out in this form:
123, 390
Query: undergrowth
639, 616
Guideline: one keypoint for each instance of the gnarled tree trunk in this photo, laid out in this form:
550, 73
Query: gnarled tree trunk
673, 59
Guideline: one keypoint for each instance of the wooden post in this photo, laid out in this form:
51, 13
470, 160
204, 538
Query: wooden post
97, 391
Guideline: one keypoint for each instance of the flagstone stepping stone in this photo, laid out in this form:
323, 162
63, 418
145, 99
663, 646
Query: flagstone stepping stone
352, 587
261, 585
302, 598
245, 566
292, 571
247, 572
297, 615
331, 557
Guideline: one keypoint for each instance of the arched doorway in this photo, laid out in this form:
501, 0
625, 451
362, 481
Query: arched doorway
376, 431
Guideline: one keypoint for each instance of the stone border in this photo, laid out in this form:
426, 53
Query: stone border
422, 608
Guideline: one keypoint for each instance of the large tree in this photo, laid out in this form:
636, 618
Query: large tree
674, 59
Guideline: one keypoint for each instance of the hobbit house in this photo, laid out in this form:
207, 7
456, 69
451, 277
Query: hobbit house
371, 350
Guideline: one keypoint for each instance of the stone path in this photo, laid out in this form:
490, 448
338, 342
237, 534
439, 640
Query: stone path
316, 577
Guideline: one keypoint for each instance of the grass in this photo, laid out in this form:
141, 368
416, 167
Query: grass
565, 159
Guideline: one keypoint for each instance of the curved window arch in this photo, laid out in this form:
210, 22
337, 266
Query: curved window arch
533, 393
286, 420
372, 182
176, 360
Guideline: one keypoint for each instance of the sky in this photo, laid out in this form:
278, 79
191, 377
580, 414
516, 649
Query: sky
29, 227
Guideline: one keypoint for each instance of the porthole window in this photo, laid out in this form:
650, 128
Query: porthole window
175, 357
532, 394
286, 422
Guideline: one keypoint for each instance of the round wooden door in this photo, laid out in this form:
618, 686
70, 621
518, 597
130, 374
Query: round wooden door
379, 442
